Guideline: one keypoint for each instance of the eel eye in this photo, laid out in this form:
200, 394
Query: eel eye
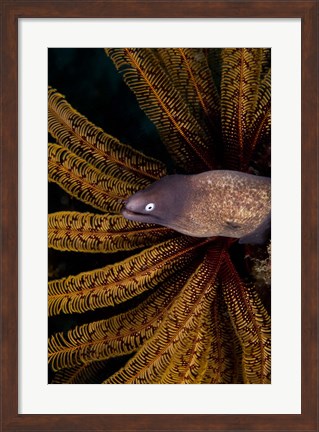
149, 207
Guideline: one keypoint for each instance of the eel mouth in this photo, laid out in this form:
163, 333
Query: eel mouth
129, 213
137, 217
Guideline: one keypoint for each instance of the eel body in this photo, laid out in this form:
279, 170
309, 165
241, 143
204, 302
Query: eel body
213, 203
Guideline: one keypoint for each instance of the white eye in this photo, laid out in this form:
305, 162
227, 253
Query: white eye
150, 207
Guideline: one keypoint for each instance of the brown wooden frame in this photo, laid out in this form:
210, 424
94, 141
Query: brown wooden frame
12, 10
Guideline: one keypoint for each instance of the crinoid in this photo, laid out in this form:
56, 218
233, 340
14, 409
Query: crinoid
167, 308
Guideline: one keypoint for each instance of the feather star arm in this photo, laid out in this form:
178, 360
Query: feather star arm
149, 364
84, 373
241, 76
120, 282
88, 232
163, 104
73, 131
251, 323
190, 74
83, 181
118, 335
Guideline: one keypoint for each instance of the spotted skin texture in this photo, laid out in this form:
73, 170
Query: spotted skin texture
213, 203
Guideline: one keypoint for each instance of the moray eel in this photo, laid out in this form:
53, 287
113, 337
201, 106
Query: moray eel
213, 203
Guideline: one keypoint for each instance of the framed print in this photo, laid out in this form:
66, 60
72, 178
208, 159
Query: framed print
120, 119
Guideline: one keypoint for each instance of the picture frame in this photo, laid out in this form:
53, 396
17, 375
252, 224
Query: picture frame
11, 12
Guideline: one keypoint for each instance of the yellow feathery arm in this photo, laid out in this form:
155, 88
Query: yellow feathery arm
190, 73
251, 323
148, 365
213, 56
180, 353
265, 62
73, 131
198, 362
223, 366
189, 361
118, 335
213, 357
85, 373
241, 73
261, 121
88, 232
121, 281
163, 104
84, 182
